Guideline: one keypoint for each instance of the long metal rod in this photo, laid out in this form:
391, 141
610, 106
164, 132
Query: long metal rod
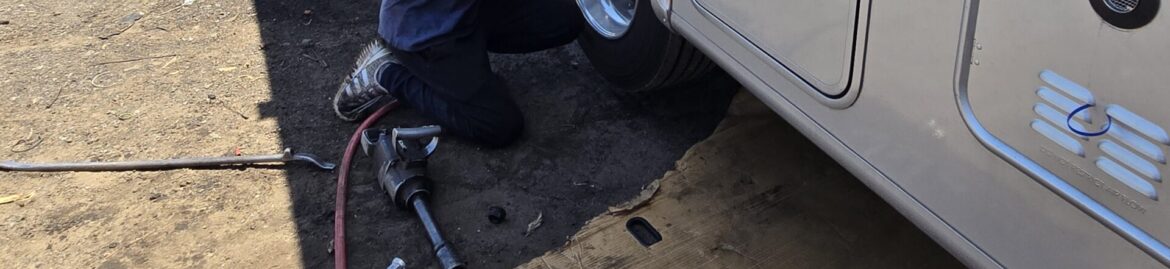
138, 165
443, 252
287, 156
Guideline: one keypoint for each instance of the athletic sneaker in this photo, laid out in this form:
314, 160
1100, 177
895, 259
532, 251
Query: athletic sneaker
360, 93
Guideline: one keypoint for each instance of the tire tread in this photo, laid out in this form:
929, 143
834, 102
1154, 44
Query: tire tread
687, 64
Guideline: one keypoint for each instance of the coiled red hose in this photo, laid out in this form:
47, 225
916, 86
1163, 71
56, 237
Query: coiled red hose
339, 254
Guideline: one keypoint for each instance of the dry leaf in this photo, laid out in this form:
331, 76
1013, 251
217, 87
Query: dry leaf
535, 224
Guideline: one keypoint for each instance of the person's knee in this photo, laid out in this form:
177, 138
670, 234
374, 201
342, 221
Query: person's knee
502, 131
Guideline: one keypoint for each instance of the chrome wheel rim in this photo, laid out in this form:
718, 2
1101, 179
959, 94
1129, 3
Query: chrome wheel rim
610, 18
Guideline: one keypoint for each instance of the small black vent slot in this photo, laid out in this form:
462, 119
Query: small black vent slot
643, 231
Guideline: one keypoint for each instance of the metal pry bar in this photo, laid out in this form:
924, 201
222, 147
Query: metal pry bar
284, 157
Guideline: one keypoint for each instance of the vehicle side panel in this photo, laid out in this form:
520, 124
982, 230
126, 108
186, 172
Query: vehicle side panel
905, 138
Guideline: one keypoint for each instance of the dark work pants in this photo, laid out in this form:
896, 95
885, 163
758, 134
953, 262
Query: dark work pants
452, 83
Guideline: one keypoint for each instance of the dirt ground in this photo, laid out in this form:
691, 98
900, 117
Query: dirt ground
120, 80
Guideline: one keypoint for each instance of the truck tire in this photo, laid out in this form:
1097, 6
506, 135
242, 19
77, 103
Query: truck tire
646, 56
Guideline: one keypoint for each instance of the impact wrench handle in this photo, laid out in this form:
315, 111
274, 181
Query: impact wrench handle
417, 132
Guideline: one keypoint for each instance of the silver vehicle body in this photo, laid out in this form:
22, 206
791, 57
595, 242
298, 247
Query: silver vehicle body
955, 112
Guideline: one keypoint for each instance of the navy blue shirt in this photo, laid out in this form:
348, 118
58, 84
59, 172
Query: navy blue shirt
413, 25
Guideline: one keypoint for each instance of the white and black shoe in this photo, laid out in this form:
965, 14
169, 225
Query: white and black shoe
361, 93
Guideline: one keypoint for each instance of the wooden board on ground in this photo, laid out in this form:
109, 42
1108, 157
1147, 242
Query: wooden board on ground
756, 194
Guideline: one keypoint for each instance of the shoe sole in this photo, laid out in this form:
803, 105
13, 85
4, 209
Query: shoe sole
358, 112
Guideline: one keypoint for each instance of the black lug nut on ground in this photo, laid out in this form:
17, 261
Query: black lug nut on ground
401, 160
497, 215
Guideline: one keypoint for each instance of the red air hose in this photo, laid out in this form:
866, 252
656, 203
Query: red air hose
339, 257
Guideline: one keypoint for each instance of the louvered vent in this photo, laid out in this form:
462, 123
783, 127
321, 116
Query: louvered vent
1132, 147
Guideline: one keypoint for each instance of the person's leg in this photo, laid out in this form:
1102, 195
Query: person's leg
522, 26
453, 85
490, 117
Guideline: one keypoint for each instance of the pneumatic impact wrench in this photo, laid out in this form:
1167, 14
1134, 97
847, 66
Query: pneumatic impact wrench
401, 160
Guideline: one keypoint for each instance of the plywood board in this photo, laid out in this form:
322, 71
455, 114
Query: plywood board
756, 194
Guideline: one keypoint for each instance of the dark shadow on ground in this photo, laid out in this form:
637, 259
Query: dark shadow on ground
582, 151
